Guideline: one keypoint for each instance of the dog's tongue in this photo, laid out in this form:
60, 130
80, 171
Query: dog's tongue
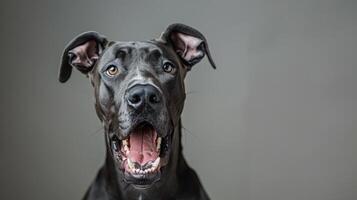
143, 145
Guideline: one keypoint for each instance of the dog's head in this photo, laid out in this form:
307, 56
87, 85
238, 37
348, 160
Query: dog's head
139, 94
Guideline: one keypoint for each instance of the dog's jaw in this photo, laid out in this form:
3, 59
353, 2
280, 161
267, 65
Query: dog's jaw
168, 181
142, 155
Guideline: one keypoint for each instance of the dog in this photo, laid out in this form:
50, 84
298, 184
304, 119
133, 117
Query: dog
139, 97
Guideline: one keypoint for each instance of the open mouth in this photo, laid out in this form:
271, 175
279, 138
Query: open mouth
141, 155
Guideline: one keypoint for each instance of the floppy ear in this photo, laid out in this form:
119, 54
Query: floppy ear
188, 43
82, 53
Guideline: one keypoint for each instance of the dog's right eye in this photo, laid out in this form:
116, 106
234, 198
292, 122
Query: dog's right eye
112, 70
168, 67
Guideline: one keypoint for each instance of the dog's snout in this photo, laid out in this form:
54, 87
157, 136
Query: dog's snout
140, 95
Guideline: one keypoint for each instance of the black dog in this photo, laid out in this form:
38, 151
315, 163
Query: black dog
139, 96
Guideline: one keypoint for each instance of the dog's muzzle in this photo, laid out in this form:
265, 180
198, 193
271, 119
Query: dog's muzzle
144, 149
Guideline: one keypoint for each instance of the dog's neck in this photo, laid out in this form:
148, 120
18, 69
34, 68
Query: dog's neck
169, 184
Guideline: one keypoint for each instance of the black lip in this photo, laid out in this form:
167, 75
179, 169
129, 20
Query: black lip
140, 123
142, 180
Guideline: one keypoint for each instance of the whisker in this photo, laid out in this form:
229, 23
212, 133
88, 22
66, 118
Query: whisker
192, 92
97, 131
186, 130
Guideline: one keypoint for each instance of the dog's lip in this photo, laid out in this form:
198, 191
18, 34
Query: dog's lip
142, 181
138, 124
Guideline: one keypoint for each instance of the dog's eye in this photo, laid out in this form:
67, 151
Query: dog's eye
168, 67
112, 70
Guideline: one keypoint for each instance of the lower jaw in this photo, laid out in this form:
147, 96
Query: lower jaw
142, 181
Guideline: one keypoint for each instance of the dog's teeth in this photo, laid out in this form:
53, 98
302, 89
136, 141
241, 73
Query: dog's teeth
131, 164
126, 149
125, 142
158, 145
156, 163
126, 145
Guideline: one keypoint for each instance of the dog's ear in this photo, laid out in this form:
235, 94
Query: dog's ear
188, 43
82, 53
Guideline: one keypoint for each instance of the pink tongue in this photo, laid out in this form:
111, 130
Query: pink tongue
143, 145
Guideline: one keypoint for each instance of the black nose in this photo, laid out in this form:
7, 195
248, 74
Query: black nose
140, 95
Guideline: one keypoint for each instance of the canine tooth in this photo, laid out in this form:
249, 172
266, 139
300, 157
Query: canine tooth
125, 145
158, 143
131, 164
126, 149
156, 162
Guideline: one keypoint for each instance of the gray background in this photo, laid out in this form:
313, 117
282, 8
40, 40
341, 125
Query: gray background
276, 121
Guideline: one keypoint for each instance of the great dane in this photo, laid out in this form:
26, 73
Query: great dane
139, 96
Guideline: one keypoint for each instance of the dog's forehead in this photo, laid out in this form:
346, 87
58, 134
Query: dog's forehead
133, 47
142, 51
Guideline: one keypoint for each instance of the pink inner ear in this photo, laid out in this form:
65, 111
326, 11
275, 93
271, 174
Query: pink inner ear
86, 54
186, 46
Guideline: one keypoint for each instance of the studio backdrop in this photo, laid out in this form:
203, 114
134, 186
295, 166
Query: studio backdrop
277, 120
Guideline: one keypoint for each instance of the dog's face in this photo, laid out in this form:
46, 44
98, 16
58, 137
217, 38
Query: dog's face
139, 92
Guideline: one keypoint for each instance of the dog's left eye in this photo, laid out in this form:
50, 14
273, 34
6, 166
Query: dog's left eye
168, 67
112, 70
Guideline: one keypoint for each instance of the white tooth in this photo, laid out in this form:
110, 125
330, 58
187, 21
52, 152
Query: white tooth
158, 145
125, 145
137, 170
156, 163
130, 164
125, 142
126, 149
